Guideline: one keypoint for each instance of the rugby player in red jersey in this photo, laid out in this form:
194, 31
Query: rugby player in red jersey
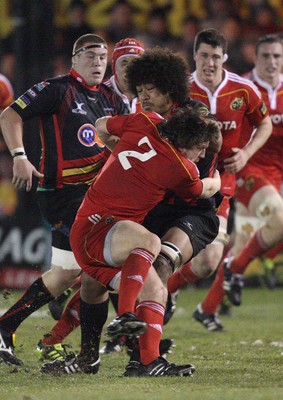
258, 223
231, 99
151, 157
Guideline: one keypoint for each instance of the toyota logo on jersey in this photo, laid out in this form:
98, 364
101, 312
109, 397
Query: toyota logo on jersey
88, 136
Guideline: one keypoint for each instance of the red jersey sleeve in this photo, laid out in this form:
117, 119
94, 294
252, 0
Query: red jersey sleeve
257, 110
191, 185
116, 125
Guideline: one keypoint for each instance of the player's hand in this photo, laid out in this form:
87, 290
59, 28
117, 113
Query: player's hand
23, 171
217, 178
237, 161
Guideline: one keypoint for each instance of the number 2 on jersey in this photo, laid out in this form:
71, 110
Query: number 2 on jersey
124, 155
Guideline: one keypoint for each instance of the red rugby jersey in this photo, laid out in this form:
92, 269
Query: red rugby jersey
268, 160
141, 168
235, 99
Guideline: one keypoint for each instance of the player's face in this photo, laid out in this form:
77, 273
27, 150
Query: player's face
120, 72
91, 65
196, 152
209, 61
269, 62
152, 99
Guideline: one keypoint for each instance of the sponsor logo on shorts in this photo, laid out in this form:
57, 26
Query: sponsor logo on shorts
188, 225
94, 218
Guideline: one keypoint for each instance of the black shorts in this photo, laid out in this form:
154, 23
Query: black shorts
200, 224
59, 207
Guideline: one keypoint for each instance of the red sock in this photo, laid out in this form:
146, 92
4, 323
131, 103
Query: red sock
215, 294
181, 277
153, 314
254, 248
69, 321
272, 253
133, 275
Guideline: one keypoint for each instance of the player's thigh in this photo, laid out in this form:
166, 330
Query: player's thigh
58, 278
208, 259
245, 226
265, 202
127, 235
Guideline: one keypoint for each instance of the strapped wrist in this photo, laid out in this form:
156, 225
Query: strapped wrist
20, 156
17, 152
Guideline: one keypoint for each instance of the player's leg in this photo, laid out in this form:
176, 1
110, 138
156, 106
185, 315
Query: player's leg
43, 290
136, 248
146, 360
50, 346
266, 205
93, 311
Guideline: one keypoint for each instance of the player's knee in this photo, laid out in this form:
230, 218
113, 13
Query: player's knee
210, 263
163, 269
64, 277
92, 291
205, 271
152, 243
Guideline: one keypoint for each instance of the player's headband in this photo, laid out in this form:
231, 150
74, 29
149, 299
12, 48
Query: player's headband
91, 46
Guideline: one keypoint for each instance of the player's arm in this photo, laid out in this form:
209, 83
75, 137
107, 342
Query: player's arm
105, 136
210, 185
241, 156
216, 142
259, 137
12, 129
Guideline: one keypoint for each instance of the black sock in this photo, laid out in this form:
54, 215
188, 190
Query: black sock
93, 318
34, 298
114, 300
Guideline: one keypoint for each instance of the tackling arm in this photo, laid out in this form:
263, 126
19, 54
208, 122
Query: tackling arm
210, 185
106, 137
216, 142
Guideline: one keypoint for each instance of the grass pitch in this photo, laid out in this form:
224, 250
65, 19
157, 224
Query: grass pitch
245, 362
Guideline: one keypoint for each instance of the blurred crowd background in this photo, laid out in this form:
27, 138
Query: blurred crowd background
171, 24
36, 39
